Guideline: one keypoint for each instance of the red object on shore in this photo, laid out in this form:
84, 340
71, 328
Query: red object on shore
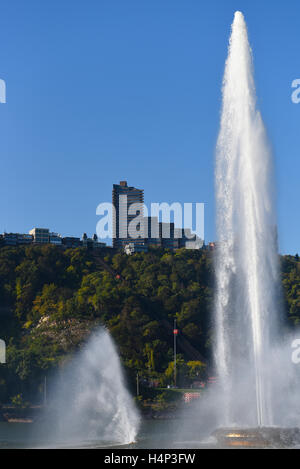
189, 396
175, 331
212, 379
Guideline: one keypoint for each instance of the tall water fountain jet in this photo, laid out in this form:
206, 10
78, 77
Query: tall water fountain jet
91, 402
246, 303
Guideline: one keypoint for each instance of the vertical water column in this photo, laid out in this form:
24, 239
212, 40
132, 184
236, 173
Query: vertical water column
246, 264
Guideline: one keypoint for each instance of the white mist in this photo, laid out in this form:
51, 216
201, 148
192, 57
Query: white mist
90, 399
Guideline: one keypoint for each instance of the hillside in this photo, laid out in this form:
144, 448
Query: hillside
52, 299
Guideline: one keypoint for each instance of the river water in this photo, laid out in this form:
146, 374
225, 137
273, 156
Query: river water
153, 434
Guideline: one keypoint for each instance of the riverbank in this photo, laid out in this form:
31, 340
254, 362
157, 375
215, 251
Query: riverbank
11, 414
35, 414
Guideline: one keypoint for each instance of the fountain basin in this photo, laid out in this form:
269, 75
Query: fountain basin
261, 437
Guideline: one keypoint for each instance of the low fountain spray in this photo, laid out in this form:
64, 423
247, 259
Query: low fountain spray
90, 400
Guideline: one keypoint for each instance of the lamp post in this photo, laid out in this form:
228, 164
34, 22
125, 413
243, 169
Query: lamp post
175, 333
137, 385
45, 391
2, 351
2, 359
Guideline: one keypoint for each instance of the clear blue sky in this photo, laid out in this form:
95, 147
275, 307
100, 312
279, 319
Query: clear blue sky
104, 90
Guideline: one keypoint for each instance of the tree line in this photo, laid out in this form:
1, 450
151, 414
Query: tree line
51, 299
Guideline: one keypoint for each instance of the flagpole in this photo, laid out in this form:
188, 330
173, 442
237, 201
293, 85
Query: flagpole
175, 334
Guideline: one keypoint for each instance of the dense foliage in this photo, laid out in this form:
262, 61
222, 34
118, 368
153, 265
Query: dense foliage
52, 299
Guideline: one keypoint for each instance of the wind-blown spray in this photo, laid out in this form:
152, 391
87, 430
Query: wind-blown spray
246, 265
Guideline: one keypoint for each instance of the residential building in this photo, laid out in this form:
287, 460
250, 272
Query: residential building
44, 236
160, 234
71, 242
24, 238
92, 243
123, 197
55, 238
166, 235
190, 240
97, 243
16, 239
152, 232
40, 235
